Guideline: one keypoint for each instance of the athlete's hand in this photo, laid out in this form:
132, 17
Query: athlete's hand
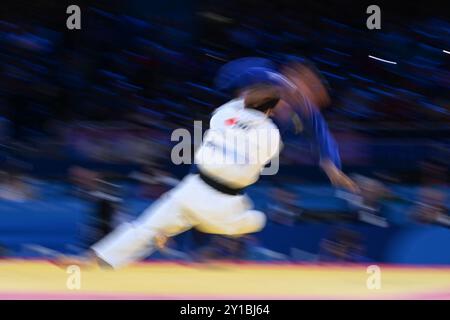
339, 178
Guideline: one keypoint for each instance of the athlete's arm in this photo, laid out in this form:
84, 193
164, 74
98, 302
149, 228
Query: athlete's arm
326, 146
321, 138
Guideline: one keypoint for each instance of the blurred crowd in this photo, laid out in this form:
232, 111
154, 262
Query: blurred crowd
133, 80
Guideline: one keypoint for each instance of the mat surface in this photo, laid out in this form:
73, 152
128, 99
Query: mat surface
43, 280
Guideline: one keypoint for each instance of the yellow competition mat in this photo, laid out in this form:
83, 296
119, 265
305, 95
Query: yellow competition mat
24, 279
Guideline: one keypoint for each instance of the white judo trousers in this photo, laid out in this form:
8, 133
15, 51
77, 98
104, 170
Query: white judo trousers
191, 204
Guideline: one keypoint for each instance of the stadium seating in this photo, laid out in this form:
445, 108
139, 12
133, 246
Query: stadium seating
55, 221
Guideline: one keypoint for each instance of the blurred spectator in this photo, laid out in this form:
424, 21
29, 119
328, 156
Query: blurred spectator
343, 245
104, 196
284, 209
83, 180
15, 188
434, 173
104, 219
368, 206
431, 208
224, 248
3, 251
154, 181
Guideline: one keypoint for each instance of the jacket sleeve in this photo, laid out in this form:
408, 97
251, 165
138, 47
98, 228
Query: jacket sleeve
317, 130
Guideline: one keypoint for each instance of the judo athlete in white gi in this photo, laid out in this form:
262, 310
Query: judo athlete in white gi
241, 141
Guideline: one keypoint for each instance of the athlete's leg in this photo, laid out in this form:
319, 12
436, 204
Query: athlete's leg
134, 241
